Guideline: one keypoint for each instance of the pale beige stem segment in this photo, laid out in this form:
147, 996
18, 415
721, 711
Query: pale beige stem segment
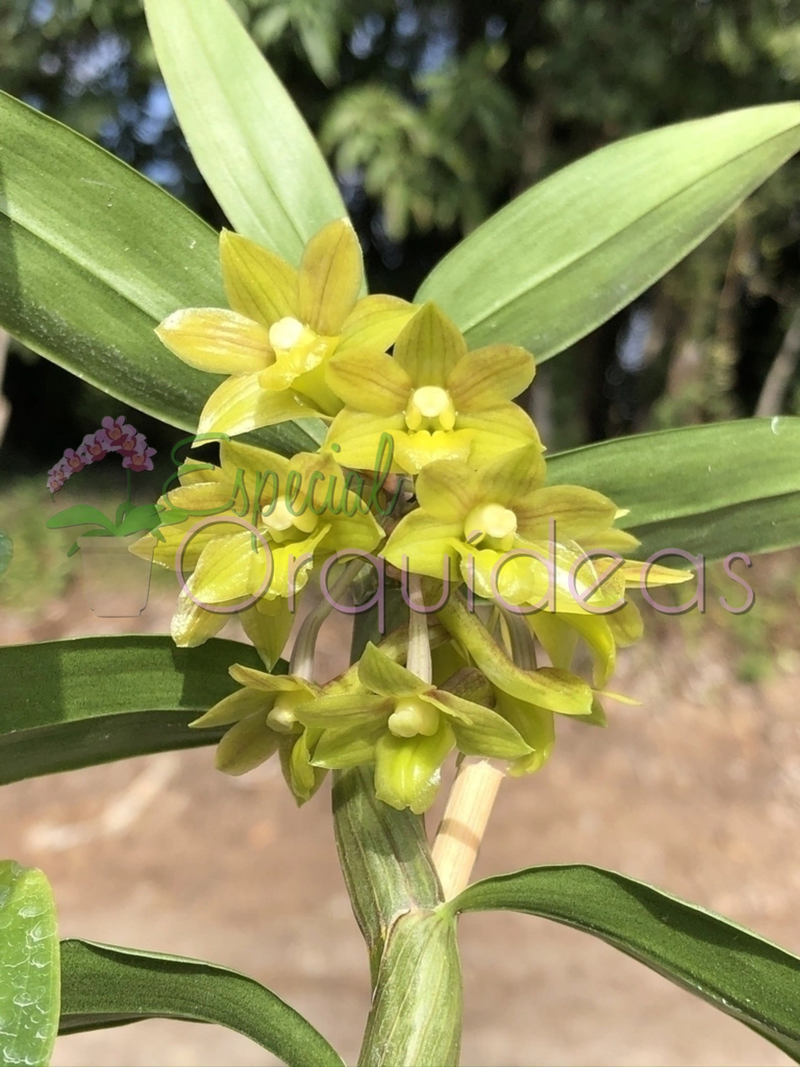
461, 831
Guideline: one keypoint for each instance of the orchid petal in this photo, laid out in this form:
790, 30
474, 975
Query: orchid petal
380, 674
489, 376
358, 435
351, 746
513, 477
429, 347
217, 341
270, 683
448, 490
626, 624
536, 725
330, 278
577, 513
496, 432
480, 731
645, 575
335, 711
268, 624
549, 688
427, 543
234, 708
367, 380
258, 283
192, 625
301, 776
246, 745
240, 405
229, 567
375, 322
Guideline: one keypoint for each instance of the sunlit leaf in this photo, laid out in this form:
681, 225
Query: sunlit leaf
92, 257
718, 489
247, 137
567, 254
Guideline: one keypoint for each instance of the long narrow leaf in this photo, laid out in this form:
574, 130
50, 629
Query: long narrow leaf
730, 967
570, 252
92, 257
729, 487
104, 985
29, 971
79, 515
247, 137
70, 704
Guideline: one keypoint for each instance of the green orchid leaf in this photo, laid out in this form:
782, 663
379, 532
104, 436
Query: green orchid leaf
104, 985
92, 257
567, 254
77, 515
247, 137
142, 517
122, 511
76, 703
29, 972
719, 489
730, 967
6, 553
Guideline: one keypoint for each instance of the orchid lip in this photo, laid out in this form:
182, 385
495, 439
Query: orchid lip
413, 716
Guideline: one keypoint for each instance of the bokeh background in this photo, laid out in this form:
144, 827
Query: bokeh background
433, 115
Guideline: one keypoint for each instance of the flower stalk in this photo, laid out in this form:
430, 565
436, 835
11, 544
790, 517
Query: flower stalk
464, 823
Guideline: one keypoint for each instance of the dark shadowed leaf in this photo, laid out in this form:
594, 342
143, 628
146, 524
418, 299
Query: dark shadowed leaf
104, 985
730, 967
69, 704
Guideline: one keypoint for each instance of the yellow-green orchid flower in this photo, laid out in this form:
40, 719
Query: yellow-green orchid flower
407, 727
551, 688
435, 399
282, 327
250, 531
514, 697
262, 722
515, 541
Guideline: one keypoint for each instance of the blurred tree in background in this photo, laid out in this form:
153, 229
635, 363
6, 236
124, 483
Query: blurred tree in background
434, 114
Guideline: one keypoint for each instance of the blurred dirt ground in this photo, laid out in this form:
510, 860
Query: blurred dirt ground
696, 791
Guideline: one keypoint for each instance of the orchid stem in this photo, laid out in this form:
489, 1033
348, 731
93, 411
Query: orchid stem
419, 644
464, 822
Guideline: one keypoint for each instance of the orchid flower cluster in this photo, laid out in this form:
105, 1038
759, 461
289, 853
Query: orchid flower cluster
115, 435
506, 578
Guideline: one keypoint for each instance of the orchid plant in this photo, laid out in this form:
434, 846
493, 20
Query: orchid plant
372, 463
114, 436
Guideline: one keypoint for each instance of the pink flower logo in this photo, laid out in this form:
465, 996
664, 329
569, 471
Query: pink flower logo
140, 460
115, 435
118, 431
95, 447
